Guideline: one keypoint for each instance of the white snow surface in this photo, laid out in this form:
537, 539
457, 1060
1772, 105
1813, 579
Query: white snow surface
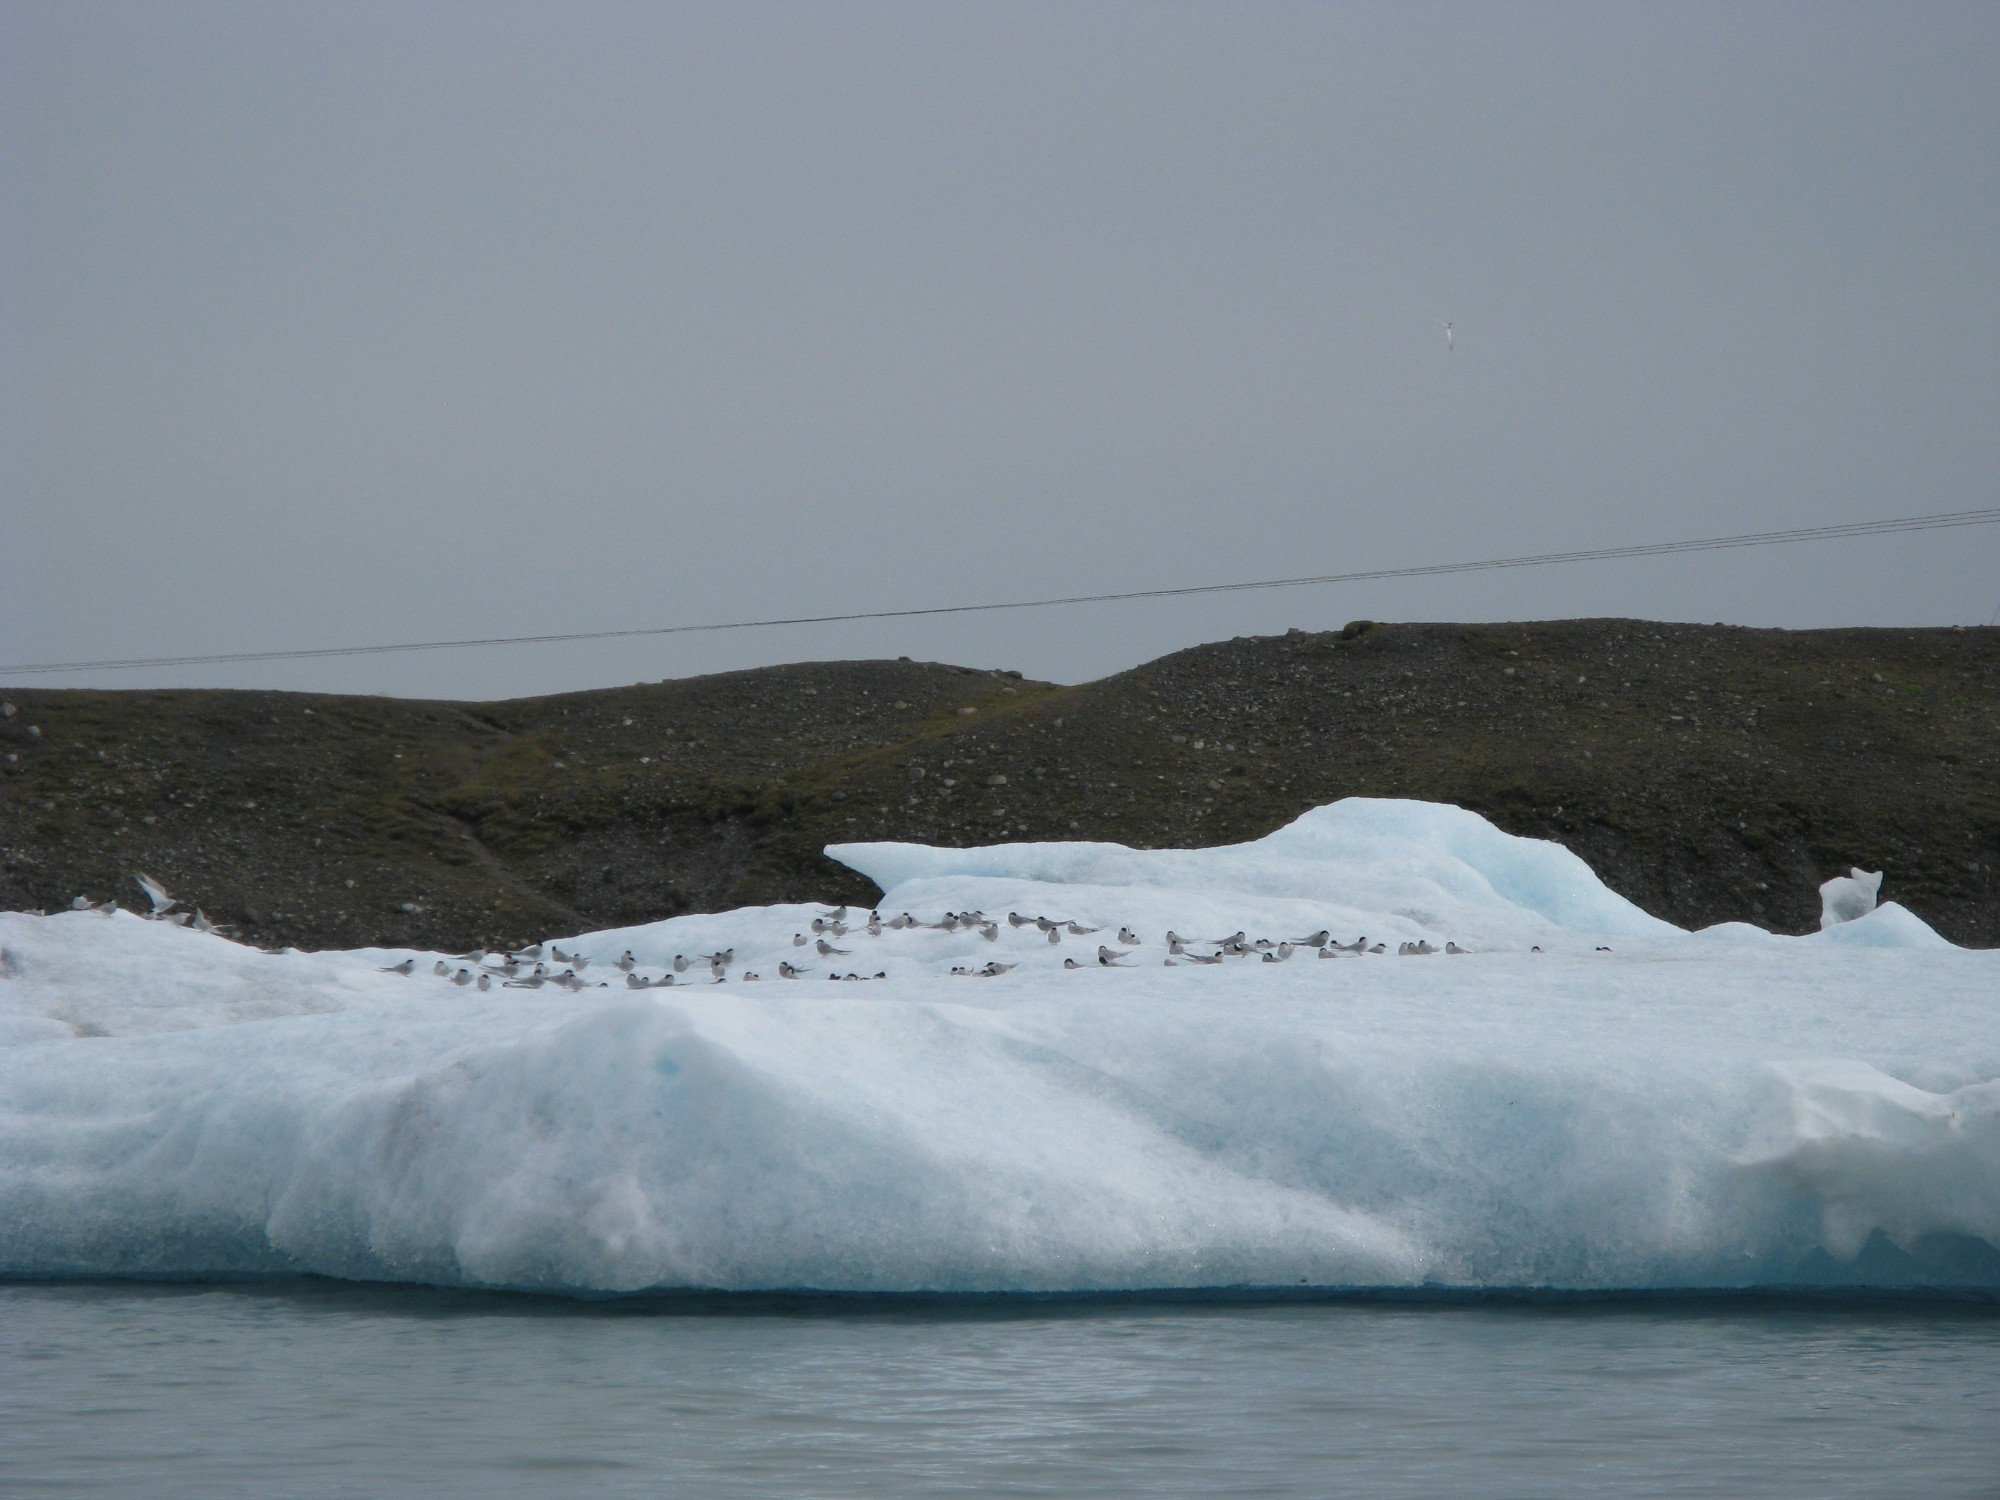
1685, 1110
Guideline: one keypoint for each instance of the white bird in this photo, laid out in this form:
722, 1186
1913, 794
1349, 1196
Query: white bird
202, 924
1070, 963
636, 981
827, 950
874, 925
680, 963
156, 894
532, 982
1105, 955
1317, 940
995, 970
486, 981
1055, 936
462, 978
838, 914
799, 940
627, 962
788, 971
664, 982
407, 966
441, 967
1201, 958
990, 931
1077, 929
1015, 919
1105, 960
1451, 947
1449, 345
1128, 937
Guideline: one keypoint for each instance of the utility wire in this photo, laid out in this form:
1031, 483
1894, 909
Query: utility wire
1985, 517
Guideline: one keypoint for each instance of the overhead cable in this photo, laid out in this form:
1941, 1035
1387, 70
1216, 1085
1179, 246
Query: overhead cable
1986, 517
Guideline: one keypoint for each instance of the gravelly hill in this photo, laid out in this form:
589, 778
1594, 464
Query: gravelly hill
1706, 772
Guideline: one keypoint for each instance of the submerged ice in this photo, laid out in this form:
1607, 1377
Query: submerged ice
1631, 1106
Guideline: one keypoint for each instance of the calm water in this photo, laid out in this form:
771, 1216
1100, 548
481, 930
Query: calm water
325, 1390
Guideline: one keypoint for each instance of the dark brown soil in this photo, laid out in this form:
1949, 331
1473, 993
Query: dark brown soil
1708, 773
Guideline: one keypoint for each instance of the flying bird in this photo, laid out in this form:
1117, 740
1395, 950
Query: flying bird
156, 895
1449, 345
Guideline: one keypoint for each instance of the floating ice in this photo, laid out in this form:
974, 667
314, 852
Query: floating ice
1718, 1109
1846, 897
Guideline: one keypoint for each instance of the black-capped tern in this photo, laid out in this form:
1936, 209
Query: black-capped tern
156, 895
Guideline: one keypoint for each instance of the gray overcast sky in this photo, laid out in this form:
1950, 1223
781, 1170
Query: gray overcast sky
354, 323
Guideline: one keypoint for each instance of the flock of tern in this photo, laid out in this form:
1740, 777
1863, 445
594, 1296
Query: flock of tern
540, 964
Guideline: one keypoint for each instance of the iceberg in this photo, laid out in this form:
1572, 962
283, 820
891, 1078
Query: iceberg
1846, 897
1590, 1099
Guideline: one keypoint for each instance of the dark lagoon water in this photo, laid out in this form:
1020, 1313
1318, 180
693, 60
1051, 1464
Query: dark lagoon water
322, 1389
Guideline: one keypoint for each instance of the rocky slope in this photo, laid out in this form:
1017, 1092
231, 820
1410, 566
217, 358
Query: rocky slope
1708, 773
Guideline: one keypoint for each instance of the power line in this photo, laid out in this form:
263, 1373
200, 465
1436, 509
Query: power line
1949, 519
